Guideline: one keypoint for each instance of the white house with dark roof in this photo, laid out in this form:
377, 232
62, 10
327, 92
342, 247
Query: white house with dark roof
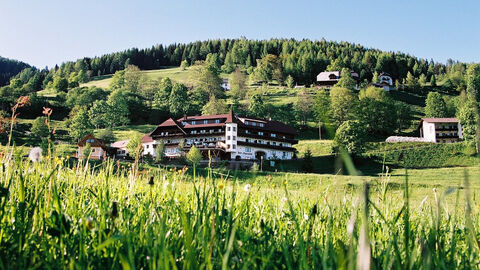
440, 130
328, 79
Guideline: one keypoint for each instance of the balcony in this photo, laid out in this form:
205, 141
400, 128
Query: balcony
269, 146
265, 137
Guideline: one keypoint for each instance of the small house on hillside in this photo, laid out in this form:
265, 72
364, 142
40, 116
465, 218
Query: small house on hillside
385, 81
328, 79
98, 148
120, 148
440, 130
225, 85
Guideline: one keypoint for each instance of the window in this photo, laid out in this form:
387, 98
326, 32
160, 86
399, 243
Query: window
273, 135
246, 122
211, 130
93, 150
234, 137
193, 123
89, 140
248, 149
260, 133
219, 130
202, 131
148, 146
205, 121
217, 121
166, 133
194, 132
228, 137
254, 124
228, 128
261, 124
234, 146
247, 140
234, 129
273, 143
246, 131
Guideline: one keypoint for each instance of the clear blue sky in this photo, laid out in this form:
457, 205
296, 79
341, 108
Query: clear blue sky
52, 31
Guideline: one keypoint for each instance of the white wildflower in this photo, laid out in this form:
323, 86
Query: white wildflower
165, 185
285, 199
247, 187
35, 154
305, 216
423, 201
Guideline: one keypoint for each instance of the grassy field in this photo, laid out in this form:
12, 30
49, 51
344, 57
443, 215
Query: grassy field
55, 214
176, 74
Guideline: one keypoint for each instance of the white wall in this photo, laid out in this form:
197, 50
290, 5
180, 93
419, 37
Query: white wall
429, 132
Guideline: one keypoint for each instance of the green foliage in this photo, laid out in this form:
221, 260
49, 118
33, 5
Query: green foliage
238, 84
215, 106
435, 105
178, 101
184, 65
134, 146
86, 151
322, 107
160, 151
351, 136
106, 135
256, 107
307, 165
60, 84
304, 106
473, 80
194, 156
269, 68
79, 124
290, 82
39, 128
118, 111
426, 155
343, 104
99, 114
346, 80
467, 115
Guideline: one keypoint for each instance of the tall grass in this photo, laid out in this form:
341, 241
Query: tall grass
55, 215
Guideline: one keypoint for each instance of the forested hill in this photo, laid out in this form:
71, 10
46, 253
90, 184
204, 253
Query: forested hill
303, 60
9, 68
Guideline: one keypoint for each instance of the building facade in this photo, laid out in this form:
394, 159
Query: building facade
225, 137
328, 79
440, 130
98, 148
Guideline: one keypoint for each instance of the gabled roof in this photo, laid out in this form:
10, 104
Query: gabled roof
120, 144
270, 125
147, 138
169, 123
440, 120
96, 142
326, 75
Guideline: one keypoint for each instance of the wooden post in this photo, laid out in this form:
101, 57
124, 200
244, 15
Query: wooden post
319, 130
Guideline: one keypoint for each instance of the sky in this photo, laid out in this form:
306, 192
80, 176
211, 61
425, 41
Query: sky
49, 32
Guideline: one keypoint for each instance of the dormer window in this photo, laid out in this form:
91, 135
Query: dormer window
217, 121
205, 121
261, 124
254, 124
246, 122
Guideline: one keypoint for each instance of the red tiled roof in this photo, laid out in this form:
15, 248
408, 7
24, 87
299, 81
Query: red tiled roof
440, 120
147, 138
120, 144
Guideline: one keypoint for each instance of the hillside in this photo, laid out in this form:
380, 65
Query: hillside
9, 68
